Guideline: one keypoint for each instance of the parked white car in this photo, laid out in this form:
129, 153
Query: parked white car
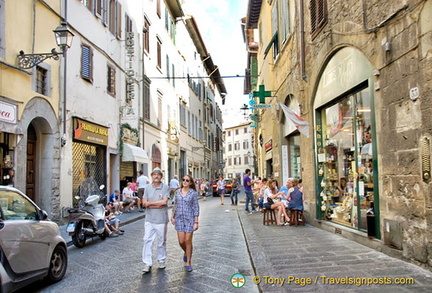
31, 247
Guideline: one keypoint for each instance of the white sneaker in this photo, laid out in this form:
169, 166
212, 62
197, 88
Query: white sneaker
162, 265
146, 269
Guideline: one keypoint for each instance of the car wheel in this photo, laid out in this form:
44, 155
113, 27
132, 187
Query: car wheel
58, 264
79, 238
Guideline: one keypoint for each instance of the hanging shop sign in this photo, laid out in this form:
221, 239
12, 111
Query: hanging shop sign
8, 112
130, 72
90, 132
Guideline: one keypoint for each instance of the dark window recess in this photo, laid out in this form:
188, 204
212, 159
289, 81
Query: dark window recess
41, 80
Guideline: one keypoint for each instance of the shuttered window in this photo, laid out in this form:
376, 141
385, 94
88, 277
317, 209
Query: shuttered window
160, 114
158, 8
87, 63
112, 18
98, 8
89, 4
111, 80
146, 93
128, 23
159, 54
146, 38
318, 11
118, 14
167, 67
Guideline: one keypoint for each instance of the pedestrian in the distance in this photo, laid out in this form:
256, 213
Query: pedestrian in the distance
221, 189
235, 189
155, 200
203, 189
173, 185
247, 183
185, 217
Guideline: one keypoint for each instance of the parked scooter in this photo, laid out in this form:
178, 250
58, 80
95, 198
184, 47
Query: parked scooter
87, 220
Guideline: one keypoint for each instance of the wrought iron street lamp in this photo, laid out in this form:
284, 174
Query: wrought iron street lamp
63, 39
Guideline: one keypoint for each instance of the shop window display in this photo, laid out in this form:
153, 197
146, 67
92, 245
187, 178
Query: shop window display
345, 160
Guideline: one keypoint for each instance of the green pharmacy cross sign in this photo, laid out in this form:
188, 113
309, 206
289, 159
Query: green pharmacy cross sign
262, 94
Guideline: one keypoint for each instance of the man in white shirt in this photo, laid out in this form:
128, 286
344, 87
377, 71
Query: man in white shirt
142, 182
173, 185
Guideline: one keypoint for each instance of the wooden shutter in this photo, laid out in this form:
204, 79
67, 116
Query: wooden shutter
111, 18
118, 20
111, 80
159, 54
86, 63
318, 11
146, 36
98, 8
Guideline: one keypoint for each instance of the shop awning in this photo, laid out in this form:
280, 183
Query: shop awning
133, 153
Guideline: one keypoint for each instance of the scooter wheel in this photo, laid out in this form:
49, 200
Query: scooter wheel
104, 235
79, 238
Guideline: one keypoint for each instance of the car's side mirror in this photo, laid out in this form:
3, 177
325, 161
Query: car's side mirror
43, 215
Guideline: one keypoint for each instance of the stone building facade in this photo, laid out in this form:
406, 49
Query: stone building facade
359, 72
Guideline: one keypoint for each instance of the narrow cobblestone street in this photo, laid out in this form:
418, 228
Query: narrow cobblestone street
280, 259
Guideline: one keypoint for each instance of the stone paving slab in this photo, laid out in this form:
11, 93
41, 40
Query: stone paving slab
230, 241
309, 252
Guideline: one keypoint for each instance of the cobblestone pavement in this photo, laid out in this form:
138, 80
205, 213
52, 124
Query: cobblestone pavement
230, 241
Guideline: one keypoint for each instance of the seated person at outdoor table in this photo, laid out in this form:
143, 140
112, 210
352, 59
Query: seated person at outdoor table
111, 222
284, 190
294, 196
115, 200
129, 198
271, 196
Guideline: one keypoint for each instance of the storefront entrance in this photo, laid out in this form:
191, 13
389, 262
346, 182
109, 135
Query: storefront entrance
345, 137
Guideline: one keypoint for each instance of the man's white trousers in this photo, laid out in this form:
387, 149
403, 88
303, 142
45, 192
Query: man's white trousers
151, 231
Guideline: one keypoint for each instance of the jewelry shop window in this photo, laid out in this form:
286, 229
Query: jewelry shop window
345, 160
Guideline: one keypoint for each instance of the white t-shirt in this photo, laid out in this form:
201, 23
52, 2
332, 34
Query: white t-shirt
126, 192
142, 181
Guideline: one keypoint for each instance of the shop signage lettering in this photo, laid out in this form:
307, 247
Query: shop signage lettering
130, 73
268, 145
89, 132
8, 112
95, 129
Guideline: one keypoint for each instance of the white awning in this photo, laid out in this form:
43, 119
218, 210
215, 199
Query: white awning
133, 153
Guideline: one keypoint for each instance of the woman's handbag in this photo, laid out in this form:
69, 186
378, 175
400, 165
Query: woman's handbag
270, 200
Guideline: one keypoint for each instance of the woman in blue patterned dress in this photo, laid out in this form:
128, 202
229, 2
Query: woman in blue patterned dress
185, 217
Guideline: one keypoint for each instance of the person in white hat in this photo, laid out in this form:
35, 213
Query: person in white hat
155, 200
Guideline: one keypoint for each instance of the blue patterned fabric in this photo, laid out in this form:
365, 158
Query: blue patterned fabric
186, 209
296, 200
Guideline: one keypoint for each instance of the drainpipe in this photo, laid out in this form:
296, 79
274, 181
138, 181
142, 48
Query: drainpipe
63, 137
302, 42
